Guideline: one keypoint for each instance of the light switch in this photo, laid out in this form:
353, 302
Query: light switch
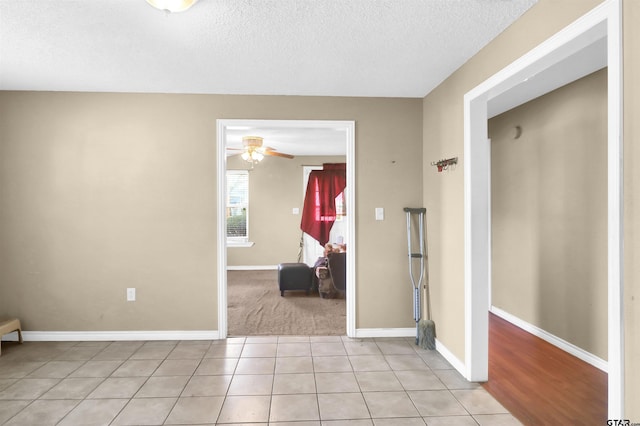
295, 210
379, 213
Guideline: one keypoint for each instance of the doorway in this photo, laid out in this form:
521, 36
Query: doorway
509, 85
224, 129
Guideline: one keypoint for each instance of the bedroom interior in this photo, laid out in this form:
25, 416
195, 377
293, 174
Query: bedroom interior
256, 302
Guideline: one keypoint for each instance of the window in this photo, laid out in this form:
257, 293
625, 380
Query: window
341, 210
237, 206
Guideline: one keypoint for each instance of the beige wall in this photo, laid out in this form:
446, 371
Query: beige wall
100, 192
443, 193
444, 137
631, 10
275, 188
549, 213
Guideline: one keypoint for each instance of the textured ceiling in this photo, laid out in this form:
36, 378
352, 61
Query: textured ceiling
390, 48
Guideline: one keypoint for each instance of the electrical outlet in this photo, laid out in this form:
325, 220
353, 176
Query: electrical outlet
131, 295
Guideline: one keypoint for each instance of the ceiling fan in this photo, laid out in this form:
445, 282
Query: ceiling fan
253, 151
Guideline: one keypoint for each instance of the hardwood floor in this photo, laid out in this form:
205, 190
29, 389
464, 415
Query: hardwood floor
541, 384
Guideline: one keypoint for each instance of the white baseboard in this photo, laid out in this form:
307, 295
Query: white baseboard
252, 268
385, 332
451, 358
11, 337
554, 340
76, 336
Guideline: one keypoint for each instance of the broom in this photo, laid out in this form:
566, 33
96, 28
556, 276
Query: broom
426, 327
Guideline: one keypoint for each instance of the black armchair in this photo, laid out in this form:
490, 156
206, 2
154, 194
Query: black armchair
337, 264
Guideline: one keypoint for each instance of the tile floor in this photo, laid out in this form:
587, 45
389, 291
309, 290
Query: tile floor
284, 381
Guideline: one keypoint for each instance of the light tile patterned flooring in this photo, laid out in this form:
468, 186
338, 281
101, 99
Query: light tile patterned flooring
284, 381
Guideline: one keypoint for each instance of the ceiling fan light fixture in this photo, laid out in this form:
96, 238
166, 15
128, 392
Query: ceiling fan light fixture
172, 5
252, 156
252, 141
253, 151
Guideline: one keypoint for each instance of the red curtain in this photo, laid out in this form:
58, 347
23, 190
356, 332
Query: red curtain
319, 210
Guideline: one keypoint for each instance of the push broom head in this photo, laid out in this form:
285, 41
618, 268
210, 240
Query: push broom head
427, 334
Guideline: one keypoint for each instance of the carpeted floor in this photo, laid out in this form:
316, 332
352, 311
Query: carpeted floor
255, 308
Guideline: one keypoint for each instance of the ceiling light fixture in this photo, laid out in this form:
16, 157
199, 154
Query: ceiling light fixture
253, 152
252, 156
172, 5
253, 149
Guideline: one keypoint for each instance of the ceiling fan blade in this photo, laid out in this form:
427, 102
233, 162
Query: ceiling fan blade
277, 154
235, 149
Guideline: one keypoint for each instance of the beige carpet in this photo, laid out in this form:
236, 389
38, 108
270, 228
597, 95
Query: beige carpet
255, 308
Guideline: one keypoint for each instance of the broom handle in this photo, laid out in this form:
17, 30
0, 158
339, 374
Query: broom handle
425, 262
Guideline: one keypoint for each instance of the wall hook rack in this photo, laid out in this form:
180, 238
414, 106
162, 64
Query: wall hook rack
445, 163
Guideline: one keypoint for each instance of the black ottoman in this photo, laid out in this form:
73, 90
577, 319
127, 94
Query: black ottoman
294, 276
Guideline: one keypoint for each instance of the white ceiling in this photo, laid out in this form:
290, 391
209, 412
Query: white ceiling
590, 58
297, 141
388, 48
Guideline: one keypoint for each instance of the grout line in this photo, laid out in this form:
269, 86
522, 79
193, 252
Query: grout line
380, 344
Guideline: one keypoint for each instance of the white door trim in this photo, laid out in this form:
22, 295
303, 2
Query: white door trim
603, 21
349, 128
